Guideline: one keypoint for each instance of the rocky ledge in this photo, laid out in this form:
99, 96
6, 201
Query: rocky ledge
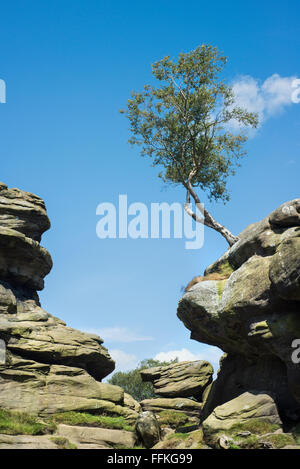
253, 314
45, 366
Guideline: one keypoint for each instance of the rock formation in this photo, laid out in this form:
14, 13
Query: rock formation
180, 386
254, 314
247, 303
147, 429
45, 366
184, 379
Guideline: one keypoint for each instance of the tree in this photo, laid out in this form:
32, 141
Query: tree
131, 381
185, 124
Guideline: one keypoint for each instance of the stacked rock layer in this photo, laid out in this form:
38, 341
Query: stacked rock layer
45, 366
180, 387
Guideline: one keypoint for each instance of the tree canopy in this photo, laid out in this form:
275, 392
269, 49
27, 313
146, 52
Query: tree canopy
191, 127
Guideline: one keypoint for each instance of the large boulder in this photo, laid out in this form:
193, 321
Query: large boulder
238, 374
147, 429
180, 404
97, 438
246, 414
240, 410
184, 379
27, 442
174, 412
23, 212
253, 315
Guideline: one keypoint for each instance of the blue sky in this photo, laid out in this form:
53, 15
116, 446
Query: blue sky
69, 66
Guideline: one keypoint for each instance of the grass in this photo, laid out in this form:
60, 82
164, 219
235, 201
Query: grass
83, 418
250, 442
182, 436
63, 443
184, 440
256, 426
19, 423
174, 419
280, 440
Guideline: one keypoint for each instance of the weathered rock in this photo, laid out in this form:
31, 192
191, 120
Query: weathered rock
97, 438
238, 375
243, 408
40, 388
23, 212
193, 440
27, 442
174, 412
179, 404
285, 269
254, 315
288, 214
147, 429
2, 352
23, 261
45, 366
184, 379
131, 403
229, 418
30, 331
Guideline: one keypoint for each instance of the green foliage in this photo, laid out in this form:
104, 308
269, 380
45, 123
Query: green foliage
17, 423
182, 436
84, 418
172, 418
184, 124
132, 383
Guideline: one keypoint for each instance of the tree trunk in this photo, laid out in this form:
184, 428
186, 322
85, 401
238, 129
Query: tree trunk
207, 219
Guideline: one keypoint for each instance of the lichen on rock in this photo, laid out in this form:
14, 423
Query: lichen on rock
256, 315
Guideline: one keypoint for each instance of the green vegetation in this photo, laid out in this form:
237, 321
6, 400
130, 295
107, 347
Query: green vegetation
83, 418
256, 426
280, 440
131, 381
172, 418
250, 442
18, 423
183, 125
225, 269
63, 443
221, 286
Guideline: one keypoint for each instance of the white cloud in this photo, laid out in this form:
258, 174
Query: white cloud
119, 334
209, 353
268, 98
124, 361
